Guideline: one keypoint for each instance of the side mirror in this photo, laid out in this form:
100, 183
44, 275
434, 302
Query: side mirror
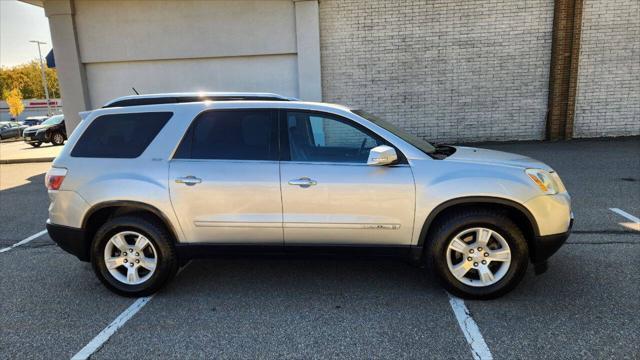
382, 155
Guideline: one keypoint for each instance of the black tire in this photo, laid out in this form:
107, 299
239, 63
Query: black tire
57, 139
35, 144
445, 230
167, 261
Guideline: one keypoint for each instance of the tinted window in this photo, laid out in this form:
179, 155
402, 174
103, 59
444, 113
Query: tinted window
54, 120
325, 138
120, 135
232, 135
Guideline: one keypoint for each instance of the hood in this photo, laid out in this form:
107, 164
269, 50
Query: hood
493, 157
38, 127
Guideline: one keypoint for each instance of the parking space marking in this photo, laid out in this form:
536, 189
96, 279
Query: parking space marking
22, 242
97, 342
634, 225
111, 329
470, 329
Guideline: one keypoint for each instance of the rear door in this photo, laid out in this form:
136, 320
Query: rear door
224, 178
331, 196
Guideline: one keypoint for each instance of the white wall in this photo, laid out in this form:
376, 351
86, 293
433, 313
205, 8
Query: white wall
273, 73
142, 30
168, 46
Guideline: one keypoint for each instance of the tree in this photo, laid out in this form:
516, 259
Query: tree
28, 79
14, 100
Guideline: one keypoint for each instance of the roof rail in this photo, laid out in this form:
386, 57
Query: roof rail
172, 98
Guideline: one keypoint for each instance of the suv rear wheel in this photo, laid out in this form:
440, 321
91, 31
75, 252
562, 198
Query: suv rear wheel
133, 256
478, 254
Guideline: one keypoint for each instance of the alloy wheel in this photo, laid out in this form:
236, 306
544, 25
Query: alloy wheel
478, 257
130, 257
58, 139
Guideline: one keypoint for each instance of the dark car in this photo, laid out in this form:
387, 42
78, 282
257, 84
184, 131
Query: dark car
34, 120
50, 131
11, 129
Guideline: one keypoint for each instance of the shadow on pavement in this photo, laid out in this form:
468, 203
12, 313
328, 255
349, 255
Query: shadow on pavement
23, 209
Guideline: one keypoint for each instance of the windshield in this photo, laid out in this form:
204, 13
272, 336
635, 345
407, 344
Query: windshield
411, 139
53, 120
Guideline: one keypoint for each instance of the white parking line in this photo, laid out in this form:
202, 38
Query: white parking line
104, 335
111, 329
634, 225
479, 348
22, 242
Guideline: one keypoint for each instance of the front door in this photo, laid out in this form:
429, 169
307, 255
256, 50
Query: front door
224, 178
330, 196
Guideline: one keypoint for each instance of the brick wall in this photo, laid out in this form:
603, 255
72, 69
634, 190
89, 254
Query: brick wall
444, 70
608, 94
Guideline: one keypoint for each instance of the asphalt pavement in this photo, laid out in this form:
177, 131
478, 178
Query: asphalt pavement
585, 306
17, 151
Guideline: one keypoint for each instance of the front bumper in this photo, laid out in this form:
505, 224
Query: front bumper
70, 239
545, 246
35, 137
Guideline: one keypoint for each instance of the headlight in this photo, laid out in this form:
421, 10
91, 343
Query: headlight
41, 131
544, 180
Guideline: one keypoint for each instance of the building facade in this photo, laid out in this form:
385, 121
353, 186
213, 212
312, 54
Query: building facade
32, 107
454, 71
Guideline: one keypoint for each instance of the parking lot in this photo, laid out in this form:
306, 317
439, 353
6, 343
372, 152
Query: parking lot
585, 306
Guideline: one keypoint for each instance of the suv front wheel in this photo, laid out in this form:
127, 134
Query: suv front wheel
478, 254
133, 256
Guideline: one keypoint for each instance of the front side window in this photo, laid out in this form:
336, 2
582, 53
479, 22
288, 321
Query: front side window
317, 137
231, 135
423, 145
120, 135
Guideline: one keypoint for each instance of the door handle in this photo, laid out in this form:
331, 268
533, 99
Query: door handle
188, 180
304, 182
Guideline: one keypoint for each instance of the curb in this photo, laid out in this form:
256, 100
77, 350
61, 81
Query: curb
25, 161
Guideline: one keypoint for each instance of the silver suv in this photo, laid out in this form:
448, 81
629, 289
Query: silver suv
138, 190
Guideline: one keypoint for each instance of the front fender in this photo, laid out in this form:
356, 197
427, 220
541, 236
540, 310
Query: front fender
439, 183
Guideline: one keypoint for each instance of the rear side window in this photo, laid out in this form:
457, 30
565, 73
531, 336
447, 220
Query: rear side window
120, 135
231, 135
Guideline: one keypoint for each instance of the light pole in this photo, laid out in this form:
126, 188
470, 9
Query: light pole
44, 76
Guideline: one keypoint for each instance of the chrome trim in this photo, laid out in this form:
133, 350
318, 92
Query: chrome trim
240, 224
309, 225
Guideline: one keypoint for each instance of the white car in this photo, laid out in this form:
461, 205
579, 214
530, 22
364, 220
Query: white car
139, 189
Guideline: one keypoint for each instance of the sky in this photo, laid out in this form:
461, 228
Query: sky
19, 23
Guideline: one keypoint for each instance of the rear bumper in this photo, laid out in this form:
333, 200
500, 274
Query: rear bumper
70, 239
545, 246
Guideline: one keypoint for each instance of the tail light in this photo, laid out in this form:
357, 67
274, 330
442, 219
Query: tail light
54, 178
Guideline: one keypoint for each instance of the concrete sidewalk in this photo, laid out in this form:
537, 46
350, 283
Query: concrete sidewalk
16, 152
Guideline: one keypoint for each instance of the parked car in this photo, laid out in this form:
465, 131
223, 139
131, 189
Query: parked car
11, 129
34, 120
139, 190
51, 130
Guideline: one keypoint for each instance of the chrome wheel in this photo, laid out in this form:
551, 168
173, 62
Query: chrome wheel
478, 257
130, 257
58, 139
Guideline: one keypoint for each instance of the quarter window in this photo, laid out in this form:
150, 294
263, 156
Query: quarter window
231, 135
120, 135
324, 138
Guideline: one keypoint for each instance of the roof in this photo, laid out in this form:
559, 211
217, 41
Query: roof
166, 98
39, 3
